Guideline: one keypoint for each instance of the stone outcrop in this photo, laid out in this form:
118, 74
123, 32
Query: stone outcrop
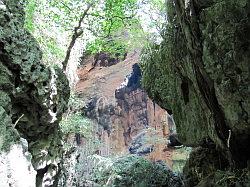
144, 123
107, 59
32, 96
200, 73
129, 122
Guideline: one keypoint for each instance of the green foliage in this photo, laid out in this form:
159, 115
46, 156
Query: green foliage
53, 22
131, 171
153, 16
220, 178
38, 21
73, 121
66, 13
118, 13
75, 103
113, 47
30, 11
126, 39
235, 178
76, 123
179, 158
113, 27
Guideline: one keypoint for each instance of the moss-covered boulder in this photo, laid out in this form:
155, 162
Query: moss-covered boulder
200, 73
32, 96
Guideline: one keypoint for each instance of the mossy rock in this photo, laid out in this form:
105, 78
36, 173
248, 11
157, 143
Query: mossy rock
238, 178
200, 74
202, 163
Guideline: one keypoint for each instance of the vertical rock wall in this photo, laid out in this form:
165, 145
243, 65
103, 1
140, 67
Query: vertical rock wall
133, 124
33, 97
200, 73
144, 123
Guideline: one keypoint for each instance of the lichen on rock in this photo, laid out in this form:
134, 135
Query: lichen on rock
26, 103
200, 73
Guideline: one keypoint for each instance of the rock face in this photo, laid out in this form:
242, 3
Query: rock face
200, 73
129, 122
106, 59
33, 97
144, 123
16, 168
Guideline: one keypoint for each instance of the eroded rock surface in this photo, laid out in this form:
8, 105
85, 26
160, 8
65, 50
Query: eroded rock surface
123, 111
33, 97
145, 125
200, 73
16, 168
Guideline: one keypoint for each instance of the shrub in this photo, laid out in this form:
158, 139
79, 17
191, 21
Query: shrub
76, 123
133, 171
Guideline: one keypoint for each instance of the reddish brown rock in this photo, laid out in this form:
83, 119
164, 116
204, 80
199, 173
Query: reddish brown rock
128, 121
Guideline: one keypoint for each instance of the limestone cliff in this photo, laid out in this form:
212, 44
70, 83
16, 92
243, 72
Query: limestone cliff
200, 73
144, 123
129, 122
32, 100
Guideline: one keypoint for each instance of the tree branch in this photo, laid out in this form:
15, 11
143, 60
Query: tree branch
77, 33
114, 16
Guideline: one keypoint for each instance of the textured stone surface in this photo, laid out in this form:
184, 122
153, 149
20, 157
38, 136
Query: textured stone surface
16, 168
115, 101
200, 73
126, 114
144, 123
33, 97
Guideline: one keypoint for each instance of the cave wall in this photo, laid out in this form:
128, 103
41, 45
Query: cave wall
200, 73
33, 97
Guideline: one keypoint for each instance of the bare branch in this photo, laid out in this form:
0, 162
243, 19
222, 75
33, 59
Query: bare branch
114, 16
77, 33
18, 120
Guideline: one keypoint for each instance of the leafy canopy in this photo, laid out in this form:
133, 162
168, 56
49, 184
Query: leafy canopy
53, 22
